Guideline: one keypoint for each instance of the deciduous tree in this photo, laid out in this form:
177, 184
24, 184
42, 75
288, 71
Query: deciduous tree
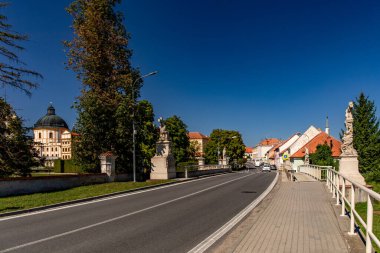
179, 135
220, 139
16, 153
99, 55
322, 156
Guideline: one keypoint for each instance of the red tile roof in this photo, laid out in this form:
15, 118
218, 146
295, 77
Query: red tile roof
197, 135
320, 139
248, 150
269, 142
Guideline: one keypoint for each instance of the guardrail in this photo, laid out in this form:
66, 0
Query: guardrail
337, 183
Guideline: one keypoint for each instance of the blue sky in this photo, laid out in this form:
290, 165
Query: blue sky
263, 68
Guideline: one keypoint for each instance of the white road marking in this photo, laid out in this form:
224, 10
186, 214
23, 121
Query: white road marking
118, 218
100, 200
205, 244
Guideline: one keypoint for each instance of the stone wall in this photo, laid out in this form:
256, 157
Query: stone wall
18, 186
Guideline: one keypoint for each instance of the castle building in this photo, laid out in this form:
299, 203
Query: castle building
52, 137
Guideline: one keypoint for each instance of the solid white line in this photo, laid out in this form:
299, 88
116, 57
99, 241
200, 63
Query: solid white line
205, 244
101, 200
117, 218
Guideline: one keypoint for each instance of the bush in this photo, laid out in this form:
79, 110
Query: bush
66, 166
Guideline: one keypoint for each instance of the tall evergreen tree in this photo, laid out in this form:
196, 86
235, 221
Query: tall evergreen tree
180, 141
12, 70
366, 135
16, 152
99, 55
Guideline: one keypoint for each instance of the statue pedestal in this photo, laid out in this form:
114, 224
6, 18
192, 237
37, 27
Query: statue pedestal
349, 167
163, 162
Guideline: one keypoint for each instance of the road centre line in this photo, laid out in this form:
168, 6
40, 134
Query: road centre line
119, 217
102, 199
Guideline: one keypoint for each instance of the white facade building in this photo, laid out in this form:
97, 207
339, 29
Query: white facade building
48, 132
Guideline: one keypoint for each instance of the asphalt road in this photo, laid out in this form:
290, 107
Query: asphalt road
173, 218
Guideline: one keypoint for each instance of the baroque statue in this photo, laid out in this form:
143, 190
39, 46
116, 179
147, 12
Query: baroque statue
164, 135
348, 137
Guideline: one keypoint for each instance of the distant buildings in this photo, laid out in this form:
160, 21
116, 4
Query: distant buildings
264, 146
52, 137
292, 152
199, 141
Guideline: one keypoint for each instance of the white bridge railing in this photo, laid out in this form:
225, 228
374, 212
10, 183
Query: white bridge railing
337, 183
317, 172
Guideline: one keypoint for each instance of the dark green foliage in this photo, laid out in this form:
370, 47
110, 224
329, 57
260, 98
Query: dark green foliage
180, 141
99, 55
146, 137
322, 156
12, 69
16, 152
229, 139
367, 137
66, 166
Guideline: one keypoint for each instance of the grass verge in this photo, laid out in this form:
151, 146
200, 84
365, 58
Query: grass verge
361, 208
15, 203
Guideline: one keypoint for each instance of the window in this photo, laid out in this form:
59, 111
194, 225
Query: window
39, 135
56, 149
50, 135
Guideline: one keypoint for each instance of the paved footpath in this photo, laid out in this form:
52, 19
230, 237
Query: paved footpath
298, 217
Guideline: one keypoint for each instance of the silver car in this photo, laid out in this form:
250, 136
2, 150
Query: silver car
266, 167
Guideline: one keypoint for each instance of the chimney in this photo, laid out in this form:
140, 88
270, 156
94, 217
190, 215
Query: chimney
327, 130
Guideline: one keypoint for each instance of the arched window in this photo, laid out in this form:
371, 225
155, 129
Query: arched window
50, 135
39, 135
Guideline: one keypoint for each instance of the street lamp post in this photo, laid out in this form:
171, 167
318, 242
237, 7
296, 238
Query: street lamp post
133, 121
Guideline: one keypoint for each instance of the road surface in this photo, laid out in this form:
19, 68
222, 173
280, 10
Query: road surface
172, 218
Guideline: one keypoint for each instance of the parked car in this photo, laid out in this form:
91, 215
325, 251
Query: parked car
258, 162
266, 167
273, 167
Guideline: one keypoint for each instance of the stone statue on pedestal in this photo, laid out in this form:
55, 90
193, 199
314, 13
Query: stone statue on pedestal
307, 156
348, 137
164, 135
348, 163
163, 162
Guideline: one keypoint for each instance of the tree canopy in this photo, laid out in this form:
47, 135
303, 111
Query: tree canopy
220, 139
12, 68
179, 136
100, 56
16, 148
323, 156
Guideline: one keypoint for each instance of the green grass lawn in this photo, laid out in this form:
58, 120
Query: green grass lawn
8, 204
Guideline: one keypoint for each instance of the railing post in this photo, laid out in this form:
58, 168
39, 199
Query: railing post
333, 184
343, 195
352, 215
337, 190
368, 242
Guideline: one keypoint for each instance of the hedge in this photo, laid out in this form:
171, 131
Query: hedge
66, 166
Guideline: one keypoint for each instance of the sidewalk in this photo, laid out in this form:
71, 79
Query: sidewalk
296, 217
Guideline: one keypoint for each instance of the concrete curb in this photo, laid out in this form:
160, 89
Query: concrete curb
72, 202
209, 241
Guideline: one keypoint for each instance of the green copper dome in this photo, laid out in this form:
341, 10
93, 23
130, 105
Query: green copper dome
51, 120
